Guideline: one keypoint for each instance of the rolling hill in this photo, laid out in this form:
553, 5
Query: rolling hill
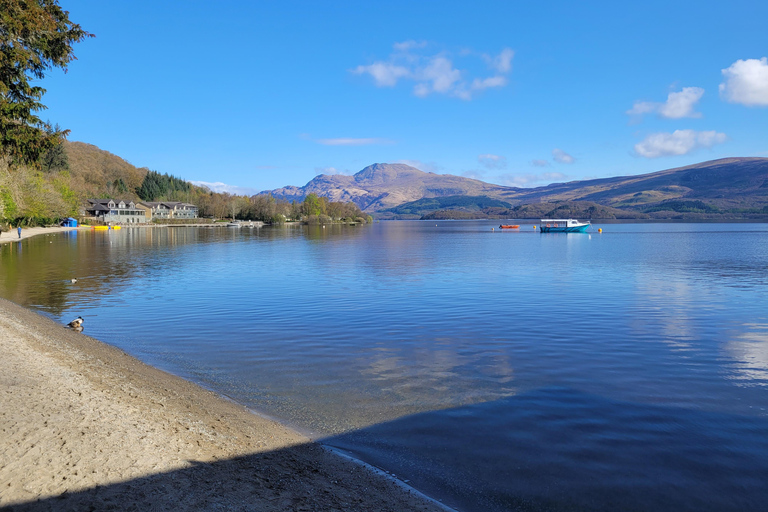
725, 183
726, 188
735, 187
96, 173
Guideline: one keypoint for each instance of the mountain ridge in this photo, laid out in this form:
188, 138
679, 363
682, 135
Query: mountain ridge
723, 184
380, 186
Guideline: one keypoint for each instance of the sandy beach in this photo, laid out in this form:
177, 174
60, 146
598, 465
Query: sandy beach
13, 236
84, 426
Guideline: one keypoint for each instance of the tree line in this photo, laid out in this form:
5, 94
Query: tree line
38, 186
260, 207
43, 192
266, 208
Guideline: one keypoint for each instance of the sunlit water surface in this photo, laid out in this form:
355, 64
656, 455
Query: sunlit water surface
626, 370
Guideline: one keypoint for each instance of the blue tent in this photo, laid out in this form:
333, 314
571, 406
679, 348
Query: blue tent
69, 222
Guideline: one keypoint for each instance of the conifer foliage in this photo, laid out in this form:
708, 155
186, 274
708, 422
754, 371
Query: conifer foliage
158, 186
35, 36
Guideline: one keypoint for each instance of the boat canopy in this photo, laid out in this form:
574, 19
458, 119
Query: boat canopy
568, 222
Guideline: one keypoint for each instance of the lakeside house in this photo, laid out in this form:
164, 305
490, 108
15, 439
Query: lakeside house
129, 212
117, 211
170, 210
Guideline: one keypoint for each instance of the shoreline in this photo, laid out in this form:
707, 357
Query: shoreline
86, 425
12, 235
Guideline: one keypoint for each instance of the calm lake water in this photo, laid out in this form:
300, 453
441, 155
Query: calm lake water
626, 370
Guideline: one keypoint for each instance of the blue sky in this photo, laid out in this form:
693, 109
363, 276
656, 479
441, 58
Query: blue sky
263, 94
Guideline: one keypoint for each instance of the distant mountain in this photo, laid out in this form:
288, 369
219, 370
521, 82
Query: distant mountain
382, 186
735, 187
726, 183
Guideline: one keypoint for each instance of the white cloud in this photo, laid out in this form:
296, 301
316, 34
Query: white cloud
486, 83
330, 171
384, 74
540, 163
679, 142
643, 107
436, 73
492, 161
502, 63
746, 82
409, 45
422, 166
562, 157
223, 187
532, 180
438, 76
475, 174
352, 142
678, 105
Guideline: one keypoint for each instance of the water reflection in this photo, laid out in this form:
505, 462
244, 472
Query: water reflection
750, 353
344, 328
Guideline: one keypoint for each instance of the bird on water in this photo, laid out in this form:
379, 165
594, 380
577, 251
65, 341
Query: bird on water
77, 323
73, 280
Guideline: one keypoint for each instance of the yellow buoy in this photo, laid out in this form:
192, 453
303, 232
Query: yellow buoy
534, 227
599, 230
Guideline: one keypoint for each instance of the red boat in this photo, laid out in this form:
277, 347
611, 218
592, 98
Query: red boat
509, 226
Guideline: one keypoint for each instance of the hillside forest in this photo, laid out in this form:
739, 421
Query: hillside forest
66, 176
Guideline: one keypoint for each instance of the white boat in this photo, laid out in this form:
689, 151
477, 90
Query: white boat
234, 224
563, 226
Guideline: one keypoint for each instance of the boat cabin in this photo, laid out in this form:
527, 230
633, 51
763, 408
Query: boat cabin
560, 223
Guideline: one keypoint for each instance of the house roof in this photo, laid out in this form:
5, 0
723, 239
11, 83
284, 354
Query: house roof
106, 201
167, 204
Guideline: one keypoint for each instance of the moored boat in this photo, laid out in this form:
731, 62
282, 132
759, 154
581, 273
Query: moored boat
563, 226
509, 226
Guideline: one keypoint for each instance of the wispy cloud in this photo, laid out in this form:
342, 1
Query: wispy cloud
561, 157
331, 170
678, 105
223, 187
531, 180
502, 63
540, 163
679, 142
352, 142
746, 82
385, 74
474, 174
436, 73
409, 45
492, 161
422, 166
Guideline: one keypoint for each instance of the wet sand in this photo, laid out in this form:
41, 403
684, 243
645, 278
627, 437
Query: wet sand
84, 426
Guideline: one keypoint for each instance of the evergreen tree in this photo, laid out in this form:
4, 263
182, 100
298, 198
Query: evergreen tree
35, 36
159, 187
55, 159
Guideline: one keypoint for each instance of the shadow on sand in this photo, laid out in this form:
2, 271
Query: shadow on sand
551, 449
